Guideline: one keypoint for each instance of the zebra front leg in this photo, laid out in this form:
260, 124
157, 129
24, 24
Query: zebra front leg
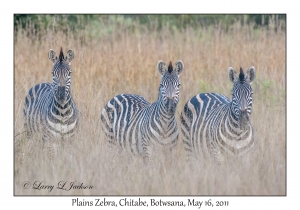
50, 146
147, 153
217, 155
171, 155
66, 145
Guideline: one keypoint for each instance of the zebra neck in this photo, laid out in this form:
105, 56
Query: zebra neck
232, 122
164, 118
62, 111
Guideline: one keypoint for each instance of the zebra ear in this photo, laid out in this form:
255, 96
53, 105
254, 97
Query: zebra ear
179, 67
250, 74
232, 75
161, 67
52, 56
70, 56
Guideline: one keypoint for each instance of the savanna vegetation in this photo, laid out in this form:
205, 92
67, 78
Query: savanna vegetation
118, 54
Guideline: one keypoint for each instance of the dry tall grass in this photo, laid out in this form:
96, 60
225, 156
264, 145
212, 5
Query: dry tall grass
125, 62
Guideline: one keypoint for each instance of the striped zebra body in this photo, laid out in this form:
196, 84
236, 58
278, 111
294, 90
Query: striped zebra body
213, 125
44, 115
49, 107
133, 124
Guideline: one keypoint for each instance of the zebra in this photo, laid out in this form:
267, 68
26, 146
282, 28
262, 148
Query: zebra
133, 124
49, 107
214, 126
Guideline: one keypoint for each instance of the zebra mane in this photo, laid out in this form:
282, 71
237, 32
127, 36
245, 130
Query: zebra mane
61, 55
242, 75
170, 67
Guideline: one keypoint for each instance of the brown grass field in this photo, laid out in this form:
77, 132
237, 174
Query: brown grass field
125, 61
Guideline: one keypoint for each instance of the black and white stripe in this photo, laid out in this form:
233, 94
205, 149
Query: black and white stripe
135, 125
49, 107
212, 125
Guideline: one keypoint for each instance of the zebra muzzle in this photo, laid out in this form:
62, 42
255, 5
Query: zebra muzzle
171, 105
61, 93
243, 119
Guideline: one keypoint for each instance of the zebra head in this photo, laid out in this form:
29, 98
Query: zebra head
169, 85
242, 95
61, 74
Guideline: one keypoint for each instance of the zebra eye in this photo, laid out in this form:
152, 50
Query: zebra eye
178, 85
